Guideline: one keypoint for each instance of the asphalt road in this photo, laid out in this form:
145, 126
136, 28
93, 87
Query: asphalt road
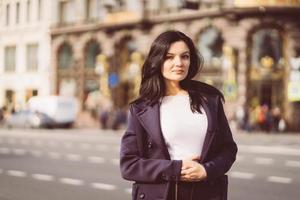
83, 164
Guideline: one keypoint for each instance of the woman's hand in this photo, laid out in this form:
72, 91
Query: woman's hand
192, 171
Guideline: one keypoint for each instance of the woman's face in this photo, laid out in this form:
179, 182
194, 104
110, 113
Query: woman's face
177, 62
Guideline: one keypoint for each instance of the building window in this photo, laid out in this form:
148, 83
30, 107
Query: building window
40, 9
32, 57
92, 50
17, 13
7, 14
10, 59
210, 45
65, 56
66, 14
28, 10
267, 49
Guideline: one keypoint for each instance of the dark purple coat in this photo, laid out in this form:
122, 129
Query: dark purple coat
144, 156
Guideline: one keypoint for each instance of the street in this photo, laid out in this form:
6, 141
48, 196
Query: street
82, 164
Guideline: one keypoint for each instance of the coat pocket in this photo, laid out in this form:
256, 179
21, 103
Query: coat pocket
150, 191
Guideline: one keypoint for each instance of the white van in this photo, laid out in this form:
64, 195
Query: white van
60, 109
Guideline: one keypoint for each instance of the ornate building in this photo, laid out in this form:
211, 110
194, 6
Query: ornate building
251, 48
24, 51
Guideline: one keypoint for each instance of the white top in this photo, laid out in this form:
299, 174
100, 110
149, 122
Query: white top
183, 130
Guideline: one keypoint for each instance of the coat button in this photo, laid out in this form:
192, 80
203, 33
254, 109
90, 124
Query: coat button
149, 145
142, 196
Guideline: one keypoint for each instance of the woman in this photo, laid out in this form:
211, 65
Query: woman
178, 144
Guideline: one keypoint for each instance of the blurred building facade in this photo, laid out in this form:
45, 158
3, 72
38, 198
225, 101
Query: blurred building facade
250, 47
24, 51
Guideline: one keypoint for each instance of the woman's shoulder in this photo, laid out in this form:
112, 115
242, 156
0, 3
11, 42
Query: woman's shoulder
208, 91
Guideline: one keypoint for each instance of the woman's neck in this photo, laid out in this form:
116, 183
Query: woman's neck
173, 88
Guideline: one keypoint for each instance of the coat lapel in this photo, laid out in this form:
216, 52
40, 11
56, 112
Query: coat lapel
150, 119
210, 129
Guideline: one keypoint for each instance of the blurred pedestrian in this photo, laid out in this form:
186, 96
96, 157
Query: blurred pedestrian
178, 144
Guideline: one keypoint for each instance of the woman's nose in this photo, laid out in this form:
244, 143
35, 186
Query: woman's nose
177, 61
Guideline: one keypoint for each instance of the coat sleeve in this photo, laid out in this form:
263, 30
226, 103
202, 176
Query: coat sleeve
225, 156
135, 166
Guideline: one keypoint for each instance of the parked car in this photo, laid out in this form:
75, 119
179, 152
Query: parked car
27, 119
60, 109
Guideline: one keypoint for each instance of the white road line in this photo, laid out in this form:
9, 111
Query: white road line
102, 147
277, 150
70, 181
128, 190
277, 179
4, 150
103, 186
241, 175
16, 173
85, 146
95, 159
73, 157
54, 155
292, 163
115, 161
263, 161
36, 153
19, 151
43, 177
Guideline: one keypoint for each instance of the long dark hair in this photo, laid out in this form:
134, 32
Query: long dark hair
152, 85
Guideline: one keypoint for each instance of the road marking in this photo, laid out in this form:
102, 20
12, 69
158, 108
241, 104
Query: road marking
74, 157
16, 173
277, 150
241, 175
277, 179
128, 190
102, 147
264, 161
4, 150
36, 153
85, 146
95, 159
103, 186
115, 161
71, 181
292, 163
54, 155
43, 177
19, 151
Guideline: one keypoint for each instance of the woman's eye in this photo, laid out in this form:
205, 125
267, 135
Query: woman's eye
185, 56
169, 57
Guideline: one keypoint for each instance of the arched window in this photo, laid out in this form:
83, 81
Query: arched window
65, 56
266, 49
92, 50
210, 43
